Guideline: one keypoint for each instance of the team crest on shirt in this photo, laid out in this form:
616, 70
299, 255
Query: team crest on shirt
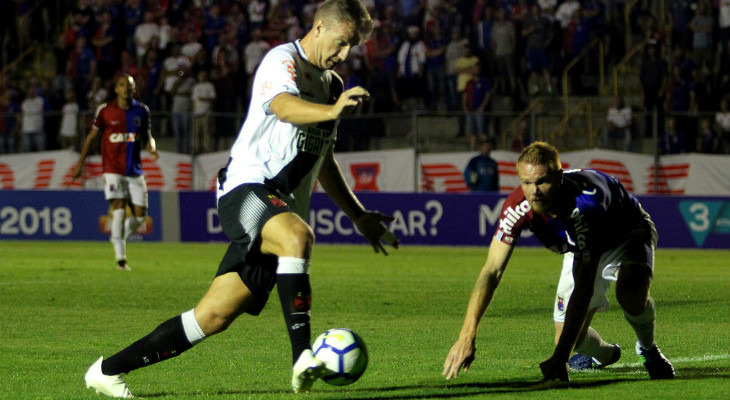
276, 201
561, 303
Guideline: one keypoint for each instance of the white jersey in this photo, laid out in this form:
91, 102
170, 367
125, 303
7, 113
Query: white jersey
285, 156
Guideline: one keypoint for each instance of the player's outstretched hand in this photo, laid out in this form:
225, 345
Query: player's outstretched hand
372, 226
351, 98
460, 355
554, 371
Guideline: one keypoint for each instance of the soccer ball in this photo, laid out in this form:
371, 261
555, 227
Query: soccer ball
344, 355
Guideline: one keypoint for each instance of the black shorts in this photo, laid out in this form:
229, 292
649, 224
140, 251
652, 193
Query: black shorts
242, 214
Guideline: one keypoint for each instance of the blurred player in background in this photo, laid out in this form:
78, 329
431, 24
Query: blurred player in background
284, 145
593, 216
124, 125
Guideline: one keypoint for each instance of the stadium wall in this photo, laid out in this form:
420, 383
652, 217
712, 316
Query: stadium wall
420, 218
399, 171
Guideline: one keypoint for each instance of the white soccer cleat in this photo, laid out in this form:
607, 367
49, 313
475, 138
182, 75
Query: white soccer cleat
123, 266
110, 385
306, 371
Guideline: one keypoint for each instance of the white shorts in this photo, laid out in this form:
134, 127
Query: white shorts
132, 188
599, 300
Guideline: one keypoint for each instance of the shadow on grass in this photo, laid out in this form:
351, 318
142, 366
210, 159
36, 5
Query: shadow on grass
453, 390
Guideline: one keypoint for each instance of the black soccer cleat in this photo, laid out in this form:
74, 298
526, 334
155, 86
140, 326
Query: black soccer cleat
655, 363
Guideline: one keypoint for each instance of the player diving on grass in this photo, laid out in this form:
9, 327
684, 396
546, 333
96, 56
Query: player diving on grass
284, 145
593, 216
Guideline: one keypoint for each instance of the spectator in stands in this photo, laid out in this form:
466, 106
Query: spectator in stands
411, 12
538, 33
254, 52
653, 78
411, 63
455, 50
171, 65
709, 141
225, 82
435, 65
703, 47
214, 26
150, 83
31, 121
483, 40
8, 126
181, 108
191, 47
722, 124
618, 126
680, 16
68, 134
654, 34
166, 34
236, 23
723, 21
385, 67
673, 140
99, 93
106, 42
503, 43
257, 10
203, 97
143, 35
81, 68
127, 67
464, 67
575, 38
482, 172
476, 102
681, 100
133, 15
565, 12
522, 137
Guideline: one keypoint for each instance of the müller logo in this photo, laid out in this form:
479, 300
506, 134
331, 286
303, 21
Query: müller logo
512, 215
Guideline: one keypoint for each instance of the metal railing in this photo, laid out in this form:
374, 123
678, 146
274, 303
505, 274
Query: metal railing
566, 89
11, 65
584, 106
623, 63
530, 110
627, 22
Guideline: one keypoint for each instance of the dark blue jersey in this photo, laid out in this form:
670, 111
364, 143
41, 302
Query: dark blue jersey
594, 213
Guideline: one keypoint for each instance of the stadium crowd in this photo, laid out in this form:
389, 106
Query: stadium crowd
421, 56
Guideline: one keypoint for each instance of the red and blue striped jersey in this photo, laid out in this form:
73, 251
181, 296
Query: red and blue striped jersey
123, 134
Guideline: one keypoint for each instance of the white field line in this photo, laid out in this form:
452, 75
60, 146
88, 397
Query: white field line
681, 360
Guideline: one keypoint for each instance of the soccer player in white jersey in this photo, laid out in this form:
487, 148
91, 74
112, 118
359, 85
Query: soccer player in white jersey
263, 198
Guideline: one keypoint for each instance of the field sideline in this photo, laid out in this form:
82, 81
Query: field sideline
64, 305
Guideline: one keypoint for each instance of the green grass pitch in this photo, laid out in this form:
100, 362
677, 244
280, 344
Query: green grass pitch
64, 305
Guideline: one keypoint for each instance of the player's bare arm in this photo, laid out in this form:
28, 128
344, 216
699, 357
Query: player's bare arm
584, 272
292, 109
371, 224
90, 140
152, 148
462, 353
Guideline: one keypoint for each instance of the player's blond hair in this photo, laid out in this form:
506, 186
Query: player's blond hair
541, 153
346, 11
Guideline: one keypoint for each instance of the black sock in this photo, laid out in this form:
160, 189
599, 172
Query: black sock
295, 294
167, 341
